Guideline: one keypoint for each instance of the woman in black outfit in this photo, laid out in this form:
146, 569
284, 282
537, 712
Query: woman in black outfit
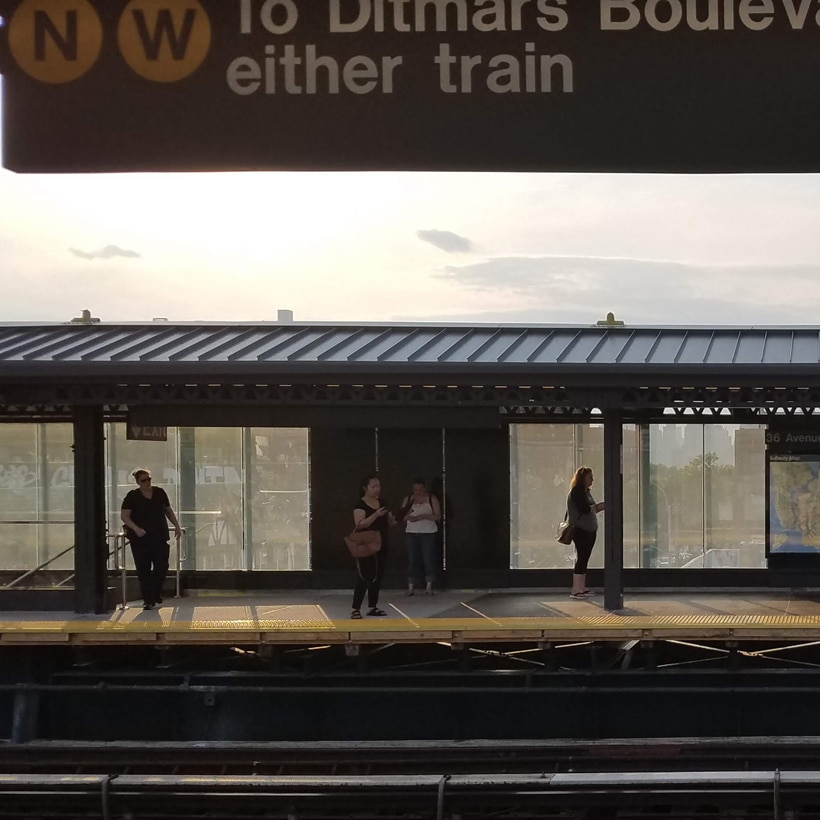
582, 516
146, 512
371, 513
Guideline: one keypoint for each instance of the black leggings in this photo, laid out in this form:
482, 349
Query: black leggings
369, 572
151, 561
584, 542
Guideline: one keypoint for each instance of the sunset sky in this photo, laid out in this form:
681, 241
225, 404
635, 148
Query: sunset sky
412, 247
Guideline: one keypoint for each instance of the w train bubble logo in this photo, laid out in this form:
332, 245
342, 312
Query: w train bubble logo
164, 42
58, 41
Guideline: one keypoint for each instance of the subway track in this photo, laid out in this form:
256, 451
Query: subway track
781, 795
387, 758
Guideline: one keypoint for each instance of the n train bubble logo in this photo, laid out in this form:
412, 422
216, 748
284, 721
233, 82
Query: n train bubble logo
58, 41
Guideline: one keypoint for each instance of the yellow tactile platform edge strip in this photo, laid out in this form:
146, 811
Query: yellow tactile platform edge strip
523, 628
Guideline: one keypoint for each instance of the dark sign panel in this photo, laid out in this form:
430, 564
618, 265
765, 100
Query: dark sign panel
522, 85
136, 432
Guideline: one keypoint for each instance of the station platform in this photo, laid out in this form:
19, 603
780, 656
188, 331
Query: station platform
311, 617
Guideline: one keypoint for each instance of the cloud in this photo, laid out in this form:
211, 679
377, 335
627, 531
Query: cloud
639, 291
108, 252
446, 241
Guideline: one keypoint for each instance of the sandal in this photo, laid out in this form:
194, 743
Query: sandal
376, 611
356, 615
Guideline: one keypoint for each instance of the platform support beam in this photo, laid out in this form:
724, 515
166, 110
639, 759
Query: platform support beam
89, 510
613, 515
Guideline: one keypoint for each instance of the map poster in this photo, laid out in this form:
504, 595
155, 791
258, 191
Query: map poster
794, 502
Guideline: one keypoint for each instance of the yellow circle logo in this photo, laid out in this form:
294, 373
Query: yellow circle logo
164, 40
55, 41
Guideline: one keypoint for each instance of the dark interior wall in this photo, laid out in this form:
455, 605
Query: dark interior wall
478, 501
403, 456
477, 495
339, 458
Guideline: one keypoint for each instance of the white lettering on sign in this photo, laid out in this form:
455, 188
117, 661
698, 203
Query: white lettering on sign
137, 433
704, 15
504, 73
288, 68
306, 72
348, 16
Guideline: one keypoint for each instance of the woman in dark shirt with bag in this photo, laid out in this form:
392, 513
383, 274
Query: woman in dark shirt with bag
370, 513
582, 515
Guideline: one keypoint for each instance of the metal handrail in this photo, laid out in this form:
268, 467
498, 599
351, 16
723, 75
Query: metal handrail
15, 581
30, 572
120, 542
182, 555
118, 550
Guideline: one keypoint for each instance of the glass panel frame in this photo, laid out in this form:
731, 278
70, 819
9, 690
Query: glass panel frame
221, 482
543, 459
37, 498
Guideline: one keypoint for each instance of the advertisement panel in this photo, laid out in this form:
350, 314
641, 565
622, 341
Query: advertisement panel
504, 85
793, 490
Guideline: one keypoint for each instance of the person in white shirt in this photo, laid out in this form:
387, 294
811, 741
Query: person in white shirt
421, 512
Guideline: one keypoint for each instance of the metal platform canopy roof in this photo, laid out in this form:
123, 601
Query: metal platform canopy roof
761, 369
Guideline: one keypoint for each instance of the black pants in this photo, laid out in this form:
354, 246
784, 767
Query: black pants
151, 560
369, 573
584, 542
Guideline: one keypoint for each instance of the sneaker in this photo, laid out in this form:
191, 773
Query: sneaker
587, 593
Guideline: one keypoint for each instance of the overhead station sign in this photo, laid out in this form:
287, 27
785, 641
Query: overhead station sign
516, 85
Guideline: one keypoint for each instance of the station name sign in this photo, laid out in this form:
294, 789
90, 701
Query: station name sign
793, 440
516, 85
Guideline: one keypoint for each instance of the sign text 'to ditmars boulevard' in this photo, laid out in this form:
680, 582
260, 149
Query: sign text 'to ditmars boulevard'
508, 85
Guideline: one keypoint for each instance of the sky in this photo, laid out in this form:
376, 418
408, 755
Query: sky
410, 247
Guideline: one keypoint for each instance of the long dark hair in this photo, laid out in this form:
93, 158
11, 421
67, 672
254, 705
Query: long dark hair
579, 479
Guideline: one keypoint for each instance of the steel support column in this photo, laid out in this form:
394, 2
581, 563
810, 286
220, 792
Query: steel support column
90, 580
613, 514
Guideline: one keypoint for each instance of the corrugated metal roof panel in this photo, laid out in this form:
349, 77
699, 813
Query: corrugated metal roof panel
405, 344
312, 348
554, 346
341, 347
805, 348
379, 346
693, 348
636, 348
43, 348
522, 347
435, 346
267, 344
465, 345
173, 343
110, 346
609, 348
381, 337
243, 345
666, 347
580, 348
722, 349
777, 347
750, 348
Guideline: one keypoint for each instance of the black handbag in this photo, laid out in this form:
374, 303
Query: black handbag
404, 510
